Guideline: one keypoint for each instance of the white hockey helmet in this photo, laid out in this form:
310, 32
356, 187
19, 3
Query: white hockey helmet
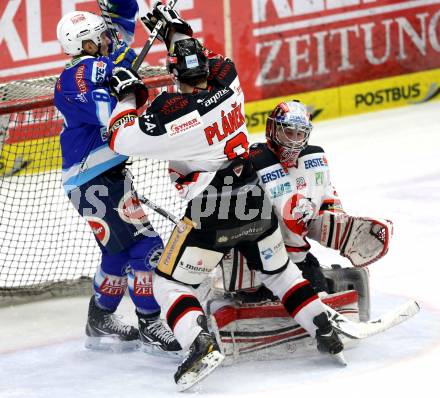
77, 26
288, 130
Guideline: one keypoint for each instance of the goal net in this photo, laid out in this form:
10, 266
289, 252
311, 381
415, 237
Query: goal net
46, 248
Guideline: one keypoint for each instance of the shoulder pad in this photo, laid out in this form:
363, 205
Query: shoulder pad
262, 156
310, 149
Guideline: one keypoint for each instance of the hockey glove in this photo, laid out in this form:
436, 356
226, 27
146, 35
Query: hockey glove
124, 56
360, 239
171, 22
125, 81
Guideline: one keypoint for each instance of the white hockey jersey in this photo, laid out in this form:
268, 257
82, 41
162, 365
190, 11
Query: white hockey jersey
299, 194
198, 133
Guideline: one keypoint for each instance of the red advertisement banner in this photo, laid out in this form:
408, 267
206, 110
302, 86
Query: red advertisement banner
29, 47
288, 47
281, 47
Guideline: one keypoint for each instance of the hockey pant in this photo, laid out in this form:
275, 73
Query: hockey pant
129, 245
187, 261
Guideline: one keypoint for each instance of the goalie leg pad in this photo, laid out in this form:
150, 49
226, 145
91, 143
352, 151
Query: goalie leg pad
265, 330
342, 279
297, 296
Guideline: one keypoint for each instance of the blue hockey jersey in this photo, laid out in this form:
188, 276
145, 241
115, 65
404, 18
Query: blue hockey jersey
83, 98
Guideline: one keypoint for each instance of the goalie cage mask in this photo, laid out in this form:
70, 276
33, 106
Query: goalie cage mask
288, 130
188, 61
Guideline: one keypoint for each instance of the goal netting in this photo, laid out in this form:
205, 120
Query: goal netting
46, 248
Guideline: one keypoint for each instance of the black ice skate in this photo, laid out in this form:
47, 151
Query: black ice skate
327, 338
155, 336
106, 332
203, 357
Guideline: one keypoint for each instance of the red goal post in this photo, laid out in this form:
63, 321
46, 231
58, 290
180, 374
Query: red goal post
46, 248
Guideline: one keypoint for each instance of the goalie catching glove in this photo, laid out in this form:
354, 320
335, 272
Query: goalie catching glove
126, 81
171, 22
360, 239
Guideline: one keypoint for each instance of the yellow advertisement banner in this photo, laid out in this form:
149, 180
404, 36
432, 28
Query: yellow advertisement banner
31, 156
374, 95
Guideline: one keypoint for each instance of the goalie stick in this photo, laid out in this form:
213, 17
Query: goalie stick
158, 209
362, 330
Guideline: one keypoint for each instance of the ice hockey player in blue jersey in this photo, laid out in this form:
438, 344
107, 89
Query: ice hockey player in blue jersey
99, 185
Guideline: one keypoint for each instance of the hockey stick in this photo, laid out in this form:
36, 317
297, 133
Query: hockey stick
108, 22
158, 209
362, 330
150, 40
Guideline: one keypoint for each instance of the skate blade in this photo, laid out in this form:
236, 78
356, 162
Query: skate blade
340, 358
111, 344
155, 350
200, 370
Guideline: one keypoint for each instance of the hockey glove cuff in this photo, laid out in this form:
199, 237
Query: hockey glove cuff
125, 81
123, 57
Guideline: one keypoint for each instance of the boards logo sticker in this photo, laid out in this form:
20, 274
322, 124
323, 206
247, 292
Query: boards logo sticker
130, 209
100, 228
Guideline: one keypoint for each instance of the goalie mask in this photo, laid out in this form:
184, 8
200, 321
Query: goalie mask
187, 60
288, 130
78, 26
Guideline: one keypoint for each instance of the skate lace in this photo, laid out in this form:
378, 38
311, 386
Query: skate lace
160, 332
113, 322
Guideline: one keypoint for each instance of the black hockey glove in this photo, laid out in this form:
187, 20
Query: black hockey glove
125, 81
171, 22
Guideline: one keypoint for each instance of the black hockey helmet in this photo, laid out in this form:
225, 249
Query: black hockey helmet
188, 61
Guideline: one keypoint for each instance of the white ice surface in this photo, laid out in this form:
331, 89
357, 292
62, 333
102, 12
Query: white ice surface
385, 165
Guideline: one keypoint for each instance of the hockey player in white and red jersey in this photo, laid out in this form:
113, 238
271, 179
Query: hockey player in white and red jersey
296, 177
202, 132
